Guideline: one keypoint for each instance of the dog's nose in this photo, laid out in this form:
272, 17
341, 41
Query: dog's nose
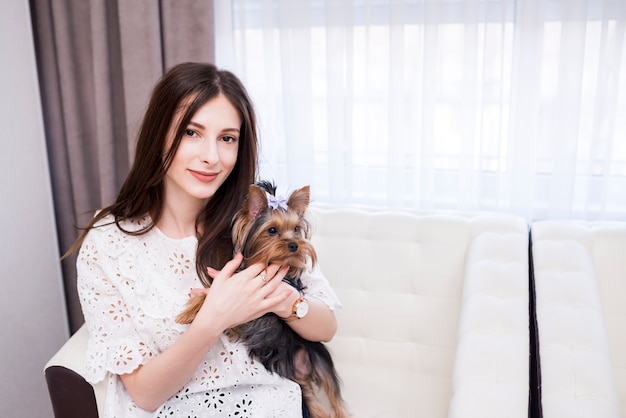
293, 247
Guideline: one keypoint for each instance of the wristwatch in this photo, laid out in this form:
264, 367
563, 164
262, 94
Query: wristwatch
300, 309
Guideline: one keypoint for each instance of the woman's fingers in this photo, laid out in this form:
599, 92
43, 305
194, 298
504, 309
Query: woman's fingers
281, 273
274, 299
274, 271
231, 267
198, 291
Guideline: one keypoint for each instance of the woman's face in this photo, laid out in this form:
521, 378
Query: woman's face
206, 155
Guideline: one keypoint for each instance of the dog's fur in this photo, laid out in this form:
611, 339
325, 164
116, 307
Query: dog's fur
281, 236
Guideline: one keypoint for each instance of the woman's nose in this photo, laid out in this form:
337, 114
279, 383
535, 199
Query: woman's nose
209, 151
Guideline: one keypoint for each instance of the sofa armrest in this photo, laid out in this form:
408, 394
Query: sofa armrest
490, 376
71, 395
577, 371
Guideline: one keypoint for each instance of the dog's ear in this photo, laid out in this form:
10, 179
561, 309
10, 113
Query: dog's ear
256, 202
299, 200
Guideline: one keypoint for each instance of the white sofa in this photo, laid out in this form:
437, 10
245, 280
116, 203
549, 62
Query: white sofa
435, 320
580, 279
435, 317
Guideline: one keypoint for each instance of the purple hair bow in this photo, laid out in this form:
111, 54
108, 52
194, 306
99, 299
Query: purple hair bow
276, 202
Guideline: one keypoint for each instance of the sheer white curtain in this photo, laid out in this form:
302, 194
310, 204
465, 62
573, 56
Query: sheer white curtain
506, 105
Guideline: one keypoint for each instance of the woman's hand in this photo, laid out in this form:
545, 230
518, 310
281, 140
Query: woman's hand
237, 298
275, 296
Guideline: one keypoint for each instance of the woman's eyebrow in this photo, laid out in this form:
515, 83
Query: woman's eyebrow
201, 126
231, 130
197, 125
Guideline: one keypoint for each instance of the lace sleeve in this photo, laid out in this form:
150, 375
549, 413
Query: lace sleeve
115, 344
317, 286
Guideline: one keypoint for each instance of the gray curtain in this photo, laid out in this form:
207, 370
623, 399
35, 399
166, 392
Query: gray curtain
97, 62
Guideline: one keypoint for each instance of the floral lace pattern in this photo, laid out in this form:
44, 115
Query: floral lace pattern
131, 288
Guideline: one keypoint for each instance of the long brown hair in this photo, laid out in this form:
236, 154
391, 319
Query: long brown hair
189, 85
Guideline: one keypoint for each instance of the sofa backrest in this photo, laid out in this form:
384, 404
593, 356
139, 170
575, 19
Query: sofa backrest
404, 278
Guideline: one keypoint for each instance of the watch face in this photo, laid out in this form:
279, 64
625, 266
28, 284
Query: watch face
302, 309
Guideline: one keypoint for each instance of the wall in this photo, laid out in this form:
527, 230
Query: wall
34, 323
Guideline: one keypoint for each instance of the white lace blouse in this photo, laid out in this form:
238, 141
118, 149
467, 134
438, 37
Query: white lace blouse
131, 288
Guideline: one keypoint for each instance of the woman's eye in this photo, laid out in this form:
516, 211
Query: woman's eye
229, 139
190, 132
272, 231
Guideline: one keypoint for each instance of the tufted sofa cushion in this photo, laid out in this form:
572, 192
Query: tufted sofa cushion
580, 276
435, 317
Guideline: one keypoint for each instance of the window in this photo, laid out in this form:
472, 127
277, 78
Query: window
516, 106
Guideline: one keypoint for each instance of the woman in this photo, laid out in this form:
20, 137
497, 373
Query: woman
167, 234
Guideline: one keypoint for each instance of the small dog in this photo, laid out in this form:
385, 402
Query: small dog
270, 230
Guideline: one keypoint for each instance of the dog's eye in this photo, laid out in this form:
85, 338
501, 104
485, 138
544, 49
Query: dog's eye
273, 230
297, 229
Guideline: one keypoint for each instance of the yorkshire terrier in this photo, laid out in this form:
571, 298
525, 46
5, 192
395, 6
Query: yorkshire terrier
270, 230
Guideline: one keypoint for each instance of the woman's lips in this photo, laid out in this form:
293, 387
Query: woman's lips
203, 175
